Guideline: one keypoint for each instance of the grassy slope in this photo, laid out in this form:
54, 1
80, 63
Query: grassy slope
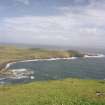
12, 53
60, 92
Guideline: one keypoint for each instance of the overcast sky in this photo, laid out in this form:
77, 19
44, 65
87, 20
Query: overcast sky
53, 22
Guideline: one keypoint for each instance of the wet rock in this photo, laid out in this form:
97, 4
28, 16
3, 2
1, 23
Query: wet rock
98, 93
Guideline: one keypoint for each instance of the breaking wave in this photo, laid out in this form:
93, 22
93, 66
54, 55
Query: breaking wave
17, 74
94, 56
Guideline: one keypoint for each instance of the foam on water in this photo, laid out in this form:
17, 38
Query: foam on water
2, 79
50, 59
18, 74
9, 64
32, 77
94, 56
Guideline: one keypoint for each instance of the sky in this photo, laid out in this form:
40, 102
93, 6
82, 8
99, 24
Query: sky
53, 22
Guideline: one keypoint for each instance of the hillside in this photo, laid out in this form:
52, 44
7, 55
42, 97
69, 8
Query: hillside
11, 53
60, 92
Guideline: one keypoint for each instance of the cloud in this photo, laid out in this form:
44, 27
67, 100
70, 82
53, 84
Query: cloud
82, 26
25, 2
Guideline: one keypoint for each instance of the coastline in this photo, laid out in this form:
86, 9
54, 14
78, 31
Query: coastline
6, 65
22, 73
18, 74
30, 60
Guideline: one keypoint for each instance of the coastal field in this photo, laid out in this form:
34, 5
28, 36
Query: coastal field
53, 92
59, 92
11, 53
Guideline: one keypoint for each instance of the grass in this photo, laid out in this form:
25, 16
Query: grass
59, 92
10, 53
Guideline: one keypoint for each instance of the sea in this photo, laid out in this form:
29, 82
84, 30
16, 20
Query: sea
57, 69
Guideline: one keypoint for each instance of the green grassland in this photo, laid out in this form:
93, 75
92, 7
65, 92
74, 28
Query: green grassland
59, 92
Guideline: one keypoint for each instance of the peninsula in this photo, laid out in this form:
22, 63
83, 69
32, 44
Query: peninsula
12, 54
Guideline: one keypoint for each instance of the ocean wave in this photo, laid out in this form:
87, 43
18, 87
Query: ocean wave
94, 56
32, 77
2, 79
9, 64
19, 74
50, 59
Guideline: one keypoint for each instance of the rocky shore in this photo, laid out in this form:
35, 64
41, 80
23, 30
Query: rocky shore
4, 70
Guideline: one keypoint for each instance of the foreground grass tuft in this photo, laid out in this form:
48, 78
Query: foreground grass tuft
60, 92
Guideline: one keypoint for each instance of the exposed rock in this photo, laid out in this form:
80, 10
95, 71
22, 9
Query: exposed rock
98, 93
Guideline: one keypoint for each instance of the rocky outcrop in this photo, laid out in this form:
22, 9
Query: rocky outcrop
2, 66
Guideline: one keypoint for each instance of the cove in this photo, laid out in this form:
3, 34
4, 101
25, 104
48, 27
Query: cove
41, 70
